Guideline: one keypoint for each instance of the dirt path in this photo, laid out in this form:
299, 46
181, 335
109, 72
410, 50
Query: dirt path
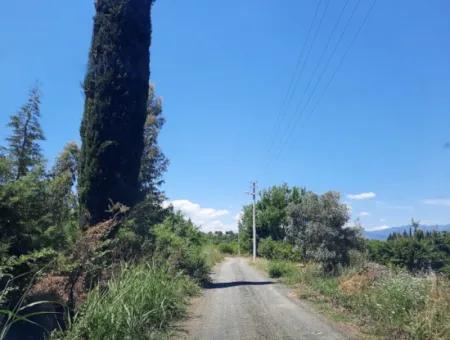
243, 304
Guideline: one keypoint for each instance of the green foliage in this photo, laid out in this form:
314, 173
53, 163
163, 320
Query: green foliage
24, 212
312, 224
211, 254
278, 269
385, 302
278, 250
23, 144
154, 163
116, 91
139, 304
415, 251
316, 225
271, 214
179, 242
221, 237
230, 248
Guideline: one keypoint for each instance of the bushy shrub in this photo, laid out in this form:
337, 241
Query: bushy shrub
228, 248
212, 254
416, 251
138, 304
179, 243
280, 268
278, 250
316, 224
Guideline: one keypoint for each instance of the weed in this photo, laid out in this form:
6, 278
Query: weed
139, 304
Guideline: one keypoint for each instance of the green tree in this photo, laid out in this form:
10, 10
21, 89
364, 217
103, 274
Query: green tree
271, 214
24, 212
23, 144
116, 91
154, 163
316, 226
63, 200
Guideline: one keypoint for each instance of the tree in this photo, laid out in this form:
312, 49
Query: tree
271, 218
316, 226
23, 144
63, 201
116, 91
154, 163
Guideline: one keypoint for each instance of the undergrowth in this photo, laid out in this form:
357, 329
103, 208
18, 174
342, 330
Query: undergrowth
385, 302
140, 303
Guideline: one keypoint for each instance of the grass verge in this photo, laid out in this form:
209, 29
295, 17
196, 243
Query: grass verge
382, 302
141, 303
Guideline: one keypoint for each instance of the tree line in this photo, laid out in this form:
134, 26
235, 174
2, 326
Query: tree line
296, 224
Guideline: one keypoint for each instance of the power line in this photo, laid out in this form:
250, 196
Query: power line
298, 115
341, 61
296, 77
311, 94
297, 65
317, 67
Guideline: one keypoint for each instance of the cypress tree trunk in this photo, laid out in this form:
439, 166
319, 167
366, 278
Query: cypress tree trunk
116, 89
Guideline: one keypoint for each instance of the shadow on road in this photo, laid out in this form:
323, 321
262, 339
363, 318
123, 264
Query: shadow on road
218, 285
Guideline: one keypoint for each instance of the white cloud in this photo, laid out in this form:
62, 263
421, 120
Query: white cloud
238, 217
364, 213
361, 196
208, 219
380, 227
437, 201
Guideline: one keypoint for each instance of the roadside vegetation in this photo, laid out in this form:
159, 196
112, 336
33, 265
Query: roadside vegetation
88, 247
398, 288
140, 303
90, 250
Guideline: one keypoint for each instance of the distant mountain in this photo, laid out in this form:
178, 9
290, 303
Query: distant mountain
383, 234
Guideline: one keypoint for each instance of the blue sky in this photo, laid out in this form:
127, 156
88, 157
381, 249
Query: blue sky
223, 70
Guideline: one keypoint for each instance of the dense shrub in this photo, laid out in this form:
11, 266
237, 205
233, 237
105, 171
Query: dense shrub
139, 303
212, 254
179, 242
316, 224
228, 248
415, 251
280, 268
278, 250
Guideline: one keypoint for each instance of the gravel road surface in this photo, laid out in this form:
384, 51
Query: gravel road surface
242, 303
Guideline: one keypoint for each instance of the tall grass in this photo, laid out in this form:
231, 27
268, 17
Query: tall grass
281, 269
20, 312
139, 304
211, 254
394, 304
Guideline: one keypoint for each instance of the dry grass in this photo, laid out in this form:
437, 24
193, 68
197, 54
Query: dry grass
384, 303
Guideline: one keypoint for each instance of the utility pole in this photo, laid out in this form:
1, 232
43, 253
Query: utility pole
239, 241
253, 194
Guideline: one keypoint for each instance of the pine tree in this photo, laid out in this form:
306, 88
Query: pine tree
24, 150
116, 87
154, 163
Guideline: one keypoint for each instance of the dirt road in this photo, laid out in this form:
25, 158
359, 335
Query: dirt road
242, 303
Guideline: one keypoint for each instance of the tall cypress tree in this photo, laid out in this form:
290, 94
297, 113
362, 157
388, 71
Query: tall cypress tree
116, 89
